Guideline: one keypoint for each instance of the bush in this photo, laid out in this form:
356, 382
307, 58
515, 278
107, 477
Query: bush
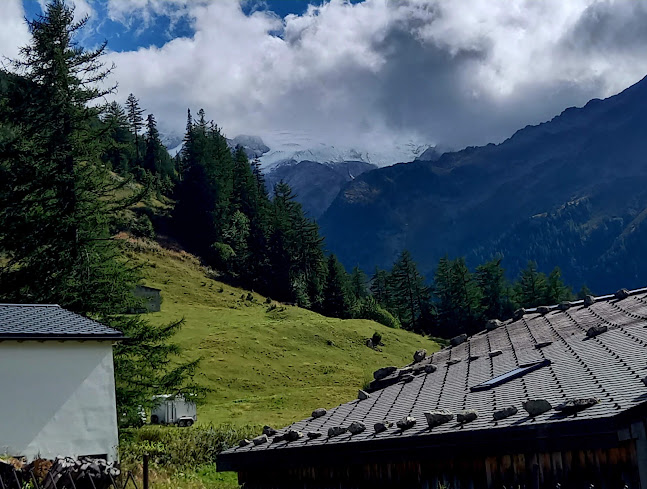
142, 227
180, 449
376, 339
370, 309
224, 255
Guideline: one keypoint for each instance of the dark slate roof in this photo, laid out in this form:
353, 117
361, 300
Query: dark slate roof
609, 367
49, 322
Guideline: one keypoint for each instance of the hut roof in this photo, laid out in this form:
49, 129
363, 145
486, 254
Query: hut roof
556, 370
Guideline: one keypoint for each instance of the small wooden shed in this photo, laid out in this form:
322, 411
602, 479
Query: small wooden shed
554, 398
151, 299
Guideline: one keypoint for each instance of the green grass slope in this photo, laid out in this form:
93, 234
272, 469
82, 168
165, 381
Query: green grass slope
266, 363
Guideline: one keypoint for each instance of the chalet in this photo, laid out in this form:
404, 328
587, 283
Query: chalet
57, 387
555, 397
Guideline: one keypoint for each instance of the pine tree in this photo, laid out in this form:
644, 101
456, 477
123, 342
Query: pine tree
358, 282
284, 211
556, 290
57, 205
336, 296
411, 294
458, 298
259, 177
495, 291
584, 291
118, 141
532, 288
136, 121
152, 141
378, 287
245, 191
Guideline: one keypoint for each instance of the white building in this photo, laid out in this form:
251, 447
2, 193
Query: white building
57, 385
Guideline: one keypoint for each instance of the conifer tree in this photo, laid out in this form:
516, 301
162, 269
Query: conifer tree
584, 291
136, 121
245, 190
259, 177
458, 298
118, 147
157, 161
151, 156
532, 287
379, 287
358, 282
495, 292
411, 294
336, 296
57, 204
556, 290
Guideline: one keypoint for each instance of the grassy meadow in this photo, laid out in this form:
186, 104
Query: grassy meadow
266, 363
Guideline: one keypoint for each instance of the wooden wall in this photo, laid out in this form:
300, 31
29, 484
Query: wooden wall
612, 468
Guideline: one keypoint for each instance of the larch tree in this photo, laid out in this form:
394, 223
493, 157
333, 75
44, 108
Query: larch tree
336, 296
136, 121
57, 206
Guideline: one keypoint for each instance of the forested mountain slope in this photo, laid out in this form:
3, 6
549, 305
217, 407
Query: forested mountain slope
316, 184
571, 192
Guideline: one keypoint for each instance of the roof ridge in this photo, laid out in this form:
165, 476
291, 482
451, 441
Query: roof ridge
598, 298
28, 305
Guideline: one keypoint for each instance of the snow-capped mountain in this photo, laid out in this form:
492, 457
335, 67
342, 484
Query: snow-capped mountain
291, 147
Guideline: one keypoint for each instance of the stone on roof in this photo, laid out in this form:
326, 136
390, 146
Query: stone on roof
50, 322
457, 340
319, 412
419, 355
438, 417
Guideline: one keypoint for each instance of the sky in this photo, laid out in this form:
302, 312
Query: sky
367, 74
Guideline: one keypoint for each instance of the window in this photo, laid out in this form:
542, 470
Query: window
512, 374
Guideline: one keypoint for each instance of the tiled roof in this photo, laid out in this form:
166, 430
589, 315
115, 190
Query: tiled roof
42, 322
609, 367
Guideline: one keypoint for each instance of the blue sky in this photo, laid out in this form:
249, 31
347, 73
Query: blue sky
160, 29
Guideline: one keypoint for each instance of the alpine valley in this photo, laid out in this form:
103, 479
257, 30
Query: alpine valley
571, 192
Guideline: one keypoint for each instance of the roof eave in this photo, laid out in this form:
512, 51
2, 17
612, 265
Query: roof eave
62, 337
536, 437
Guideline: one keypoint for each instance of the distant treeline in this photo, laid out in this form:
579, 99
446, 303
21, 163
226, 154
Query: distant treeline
459, 300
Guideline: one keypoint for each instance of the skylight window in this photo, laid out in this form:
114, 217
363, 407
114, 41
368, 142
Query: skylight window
520, 371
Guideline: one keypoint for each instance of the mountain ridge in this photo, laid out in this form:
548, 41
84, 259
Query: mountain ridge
467, 202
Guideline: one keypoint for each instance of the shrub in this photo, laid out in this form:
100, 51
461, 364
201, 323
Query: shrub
223, 255
142, 227
180, 449
376, 339
370, 309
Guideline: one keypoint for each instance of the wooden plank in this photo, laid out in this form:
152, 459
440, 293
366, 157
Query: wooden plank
557, 465
519, 467
544, 464
490, 469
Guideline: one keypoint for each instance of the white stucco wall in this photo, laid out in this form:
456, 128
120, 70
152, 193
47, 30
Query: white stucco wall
57, 398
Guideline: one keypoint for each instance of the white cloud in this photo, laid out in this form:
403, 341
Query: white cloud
381, 71
451, 72
13, 29
82, 8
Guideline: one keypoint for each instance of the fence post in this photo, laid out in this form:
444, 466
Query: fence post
145, 471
